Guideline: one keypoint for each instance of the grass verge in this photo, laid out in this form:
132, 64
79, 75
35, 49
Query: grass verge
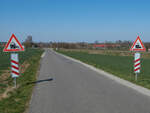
17, 100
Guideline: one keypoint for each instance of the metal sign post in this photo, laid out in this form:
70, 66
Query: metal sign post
136, 76
15, 82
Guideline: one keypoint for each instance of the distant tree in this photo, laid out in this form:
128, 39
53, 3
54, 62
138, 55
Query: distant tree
29, 39
146, 48
147, 45
118, 41
96, 42
28, 42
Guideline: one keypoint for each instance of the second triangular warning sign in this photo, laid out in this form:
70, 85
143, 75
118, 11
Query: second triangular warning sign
13, 45
138, 45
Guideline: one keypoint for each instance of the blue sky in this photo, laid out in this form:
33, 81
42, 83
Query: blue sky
75, 20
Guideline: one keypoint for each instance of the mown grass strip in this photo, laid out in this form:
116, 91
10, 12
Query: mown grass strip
121, 66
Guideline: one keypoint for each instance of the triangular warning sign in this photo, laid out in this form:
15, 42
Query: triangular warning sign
138, 45
13, 45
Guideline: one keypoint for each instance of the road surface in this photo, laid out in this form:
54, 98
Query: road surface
65, 86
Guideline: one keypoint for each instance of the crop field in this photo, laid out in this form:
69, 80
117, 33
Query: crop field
121, 66
16, 100
109, 52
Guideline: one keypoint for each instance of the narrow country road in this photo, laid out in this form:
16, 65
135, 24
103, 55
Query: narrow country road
65, 86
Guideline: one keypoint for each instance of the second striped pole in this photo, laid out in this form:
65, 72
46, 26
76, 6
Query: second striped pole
137, 64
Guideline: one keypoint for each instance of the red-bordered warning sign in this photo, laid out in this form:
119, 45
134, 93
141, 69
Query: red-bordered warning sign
138, 45
13, 45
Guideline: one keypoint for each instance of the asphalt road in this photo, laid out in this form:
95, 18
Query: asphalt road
65, 86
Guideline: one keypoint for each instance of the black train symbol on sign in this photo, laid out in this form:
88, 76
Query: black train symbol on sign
13, 45
138, 46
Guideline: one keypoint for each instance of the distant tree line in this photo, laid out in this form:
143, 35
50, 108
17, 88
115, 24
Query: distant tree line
147, 46
79, 45
119, 44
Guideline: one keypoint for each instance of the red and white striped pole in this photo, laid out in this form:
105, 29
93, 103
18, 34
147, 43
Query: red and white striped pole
137, 64
14, 66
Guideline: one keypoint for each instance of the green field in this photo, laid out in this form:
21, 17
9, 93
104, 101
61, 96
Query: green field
121, 66
17, 100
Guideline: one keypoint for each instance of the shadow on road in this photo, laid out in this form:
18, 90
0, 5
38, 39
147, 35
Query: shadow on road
39, 81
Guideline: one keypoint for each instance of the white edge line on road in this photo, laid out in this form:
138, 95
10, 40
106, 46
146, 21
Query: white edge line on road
138, 88
43, 55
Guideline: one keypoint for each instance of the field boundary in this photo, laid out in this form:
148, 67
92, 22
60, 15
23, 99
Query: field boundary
121, 81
